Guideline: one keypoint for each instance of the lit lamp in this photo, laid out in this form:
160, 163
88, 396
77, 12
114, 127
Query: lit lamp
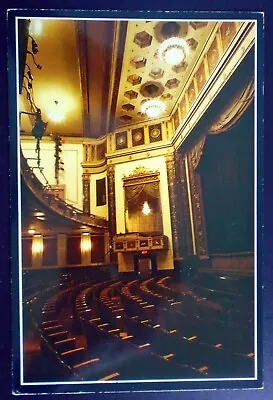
37, 245
146, 208
86, 248
173, 51
56, 115
36, 26
85, 242
152, 108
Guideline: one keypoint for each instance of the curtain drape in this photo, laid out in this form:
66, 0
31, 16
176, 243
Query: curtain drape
133, 192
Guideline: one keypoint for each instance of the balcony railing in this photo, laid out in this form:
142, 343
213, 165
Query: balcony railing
59, 206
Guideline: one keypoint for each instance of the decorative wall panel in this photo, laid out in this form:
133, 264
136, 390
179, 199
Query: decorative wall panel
227, 30
201, 77
176, 119
86, 193
171, 174
213, 55
101, 192
184, 223
137, 136
121, 140
155, 133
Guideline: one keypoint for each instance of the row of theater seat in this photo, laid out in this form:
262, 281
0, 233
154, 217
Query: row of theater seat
241, 361
197, 317
211, 351
75, 362
134, 330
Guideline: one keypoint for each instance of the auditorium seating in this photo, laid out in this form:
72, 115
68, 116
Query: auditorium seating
111, 329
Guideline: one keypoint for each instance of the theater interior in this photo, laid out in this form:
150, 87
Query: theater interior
137, 173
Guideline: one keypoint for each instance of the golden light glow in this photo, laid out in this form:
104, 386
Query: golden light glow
85, 242
31, 231
36, 26
55, 110
173, 51
146, 208
56, 116
37, 244
152, 108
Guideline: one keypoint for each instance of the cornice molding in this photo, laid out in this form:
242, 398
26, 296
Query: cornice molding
220, 76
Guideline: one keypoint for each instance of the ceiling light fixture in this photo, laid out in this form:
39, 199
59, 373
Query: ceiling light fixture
56, 115
173, 51
152, 108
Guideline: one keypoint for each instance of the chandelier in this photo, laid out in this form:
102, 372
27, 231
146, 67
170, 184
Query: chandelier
173, 51
146, 208
152, 108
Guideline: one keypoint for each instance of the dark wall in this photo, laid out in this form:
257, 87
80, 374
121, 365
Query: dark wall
23, 28
227, 175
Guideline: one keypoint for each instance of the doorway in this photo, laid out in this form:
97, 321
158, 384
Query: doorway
145, 265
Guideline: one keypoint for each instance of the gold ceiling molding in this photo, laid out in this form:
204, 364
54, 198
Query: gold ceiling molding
142, 67
140, 175
81, 40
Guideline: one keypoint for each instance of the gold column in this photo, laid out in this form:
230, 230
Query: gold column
186, 234
86, 192
197, 201
171, 175
111, 207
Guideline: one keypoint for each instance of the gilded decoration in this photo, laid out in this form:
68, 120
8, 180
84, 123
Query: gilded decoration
142, 187
213, 55
86, 193
201, 76
155, 133
171, 175
141, 174
111, 199
227, 30
196, 153
197, 206
184, 224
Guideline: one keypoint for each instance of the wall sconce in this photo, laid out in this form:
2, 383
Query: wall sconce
56, 114
37, 244
36, 26
85, 242
146, 208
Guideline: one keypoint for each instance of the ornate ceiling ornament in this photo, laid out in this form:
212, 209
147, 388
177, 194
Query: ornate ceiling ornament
173, 51
153, 108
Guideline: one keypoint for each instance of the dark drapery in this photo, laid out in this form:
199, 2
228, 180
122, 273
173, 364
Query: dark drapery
227, 172
234, 110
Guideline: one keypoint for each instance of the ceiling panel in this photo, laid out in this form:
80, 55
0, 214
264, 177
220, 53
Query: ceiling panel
59, 79
142, 67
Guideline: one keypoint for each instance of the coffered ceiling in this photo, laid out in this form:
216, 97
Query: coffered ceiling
98, 73
144, 75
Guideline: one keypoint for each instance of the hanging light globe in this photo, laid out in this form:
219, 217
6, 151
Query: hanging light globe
152, 108
146, 208
173, 51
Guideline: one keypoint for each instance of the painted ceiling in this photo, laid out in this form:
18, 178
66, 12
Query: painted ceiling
98, 73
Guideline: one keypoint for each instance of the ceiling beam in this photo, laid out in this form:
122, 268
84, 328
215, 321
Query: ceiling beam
81, 39
121, 35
